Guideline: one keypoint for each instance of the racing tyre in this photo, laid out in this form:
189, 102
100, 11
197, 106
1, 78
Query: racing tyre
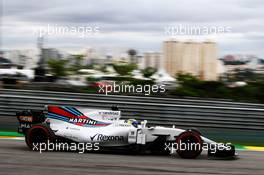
189, 144
39, 135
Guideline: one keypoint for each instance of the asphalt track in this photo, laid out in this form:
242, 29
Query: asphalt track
16, 158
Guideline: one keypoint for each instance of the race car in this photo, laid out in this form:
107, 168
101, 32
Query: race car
106, 129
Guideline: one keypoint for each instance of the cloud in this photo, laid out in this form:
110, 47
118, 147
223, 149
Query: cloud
134, 23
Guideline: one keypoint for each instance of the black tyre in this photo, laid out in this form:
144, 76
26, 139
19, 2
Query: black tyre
189, 144
39, 134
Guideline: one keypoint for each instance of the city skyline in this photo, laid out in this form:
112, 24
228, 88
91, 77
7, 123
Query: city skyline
140, 26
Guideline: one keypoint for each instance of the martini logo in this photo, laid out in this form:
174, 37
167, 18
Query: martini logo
82, 120
101, 137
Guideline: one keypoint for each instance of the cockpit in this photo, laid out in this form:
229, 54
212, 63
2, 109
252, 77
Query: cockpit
136, 123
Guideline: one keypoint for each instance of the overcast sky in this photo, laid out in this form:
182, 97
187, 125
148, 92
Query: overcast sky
138, 24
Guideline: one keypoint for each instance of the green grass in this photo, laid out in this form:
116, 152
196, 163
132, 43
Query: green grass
11, 134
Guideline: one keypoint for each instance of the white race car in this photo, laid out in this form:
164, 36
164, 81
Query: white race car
105, 129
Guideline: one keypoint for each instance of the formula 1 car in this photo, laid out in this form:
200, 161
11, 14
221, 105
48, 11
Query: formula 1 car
104, 127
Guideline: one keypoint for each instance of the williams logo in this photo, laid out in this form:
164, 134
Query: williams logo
101, 137
82, 120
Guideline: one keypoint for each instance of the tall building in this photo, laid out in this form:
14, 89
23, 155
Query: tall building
199, 59
209, 62
152, 59
191, 58
172, 55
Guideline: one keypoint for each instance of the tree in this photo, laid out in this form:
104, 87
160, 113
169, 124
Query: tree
58, 67
187, 79
148, 72
124, 68
192, 86
77, 62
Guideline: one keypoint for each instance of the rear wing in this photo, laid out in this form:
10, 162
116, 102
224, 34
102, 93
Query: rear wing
27, 118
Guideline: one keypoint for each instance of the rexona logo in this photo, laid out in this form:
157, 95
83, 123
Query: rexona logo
82, 120
101, 137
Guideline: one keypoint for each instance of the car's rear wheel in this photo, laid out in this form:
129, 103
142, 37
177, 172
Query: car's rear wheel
39, 135
189, 144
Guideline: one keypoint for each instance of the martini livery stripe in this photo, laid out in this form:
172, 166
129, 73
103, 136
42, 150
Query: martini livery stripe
73, 116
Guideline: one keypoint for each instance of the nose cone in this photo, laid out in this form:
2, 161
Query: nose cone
227, 152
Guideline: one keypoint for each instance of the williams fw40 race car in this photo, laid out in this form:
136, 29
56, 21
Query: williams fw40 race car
105, 130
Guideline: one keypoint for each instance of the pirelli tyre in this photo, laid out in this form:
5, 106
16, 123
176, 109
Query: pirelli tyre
39, 135
189, 144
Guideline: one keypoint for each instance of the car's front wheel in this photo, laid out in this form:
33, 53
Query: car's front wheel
189, 144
